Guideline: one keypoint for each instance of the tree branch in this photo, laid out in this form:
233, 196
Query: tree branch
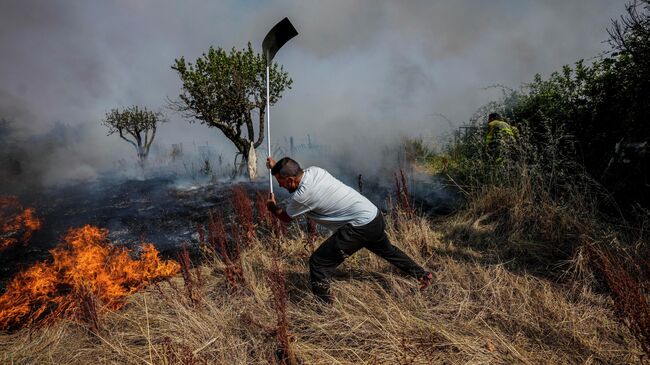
124, 138
260, 136
249, 126
148, 143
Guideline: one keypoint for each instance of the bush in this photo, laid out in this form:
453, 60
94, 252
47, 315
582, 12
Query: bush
572, 194
531, 204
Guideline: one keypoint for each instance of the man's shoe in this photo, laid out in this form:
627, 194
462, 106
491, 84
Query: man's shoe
425, 280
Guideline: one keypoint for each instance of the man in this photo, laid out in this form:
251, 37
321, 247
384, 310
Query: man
499, 134
355, 221
499, 131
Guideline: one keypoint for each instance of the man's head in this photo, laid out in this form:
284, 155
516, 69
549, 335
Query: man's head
494, 116
288, 173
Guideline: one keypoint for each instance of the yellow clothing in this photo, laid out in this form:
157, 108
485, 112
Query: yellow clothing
499, 130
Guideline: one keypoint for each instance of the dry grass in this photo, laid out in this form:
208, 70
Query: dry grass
627, 290
476, 313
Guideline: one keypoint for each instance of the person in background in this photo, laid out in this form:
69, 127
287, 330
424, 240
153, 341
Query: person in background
499, 136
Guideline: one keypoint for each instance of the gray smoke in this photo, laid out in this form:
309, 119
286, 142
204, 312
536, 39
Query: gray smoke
365, 72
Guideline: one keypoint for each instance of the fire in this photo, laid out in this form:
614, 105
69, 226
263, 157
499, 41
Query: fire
18, 224
84, 264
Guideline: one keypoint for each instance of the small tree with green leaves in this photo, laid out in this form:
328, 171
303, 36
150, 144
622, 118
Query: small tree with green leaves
135, 125
226, 91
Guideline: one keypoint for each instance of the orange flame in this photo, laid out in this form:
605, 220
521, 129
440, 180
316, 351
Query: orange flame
18, 224
85, 262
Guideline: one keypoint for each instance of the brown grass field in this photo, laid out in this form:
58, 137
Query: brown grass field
258, 309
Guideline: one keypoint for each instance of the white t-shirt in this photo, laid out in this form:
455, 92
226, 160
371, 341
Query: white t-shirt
328, 201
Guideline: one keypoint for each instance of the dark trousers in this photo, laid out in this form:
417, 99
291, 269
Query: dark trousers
346, 241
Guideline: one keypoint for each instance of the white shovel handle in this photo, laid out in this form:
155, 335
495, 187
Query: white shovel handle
268, 126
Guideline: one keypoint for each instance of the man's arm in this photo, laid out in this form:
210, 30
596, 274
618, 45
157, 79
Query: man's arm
278, 212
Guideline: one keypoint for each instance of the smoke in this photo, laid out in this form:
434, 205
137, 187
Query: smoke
61, 155
365, 72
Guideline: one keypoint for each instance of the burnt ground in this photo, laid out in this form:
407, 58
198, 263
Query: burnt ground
158, 210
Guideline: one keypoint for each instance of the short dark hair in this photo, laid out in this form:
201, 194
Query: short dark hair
286, 167
494, 116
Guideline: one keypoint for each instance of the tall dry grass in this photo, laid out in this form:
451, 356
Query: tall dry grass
535, 209
476, 312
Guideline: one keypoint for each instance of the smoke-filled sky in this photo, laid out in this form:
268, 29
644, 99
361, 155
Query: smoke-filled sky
360, 68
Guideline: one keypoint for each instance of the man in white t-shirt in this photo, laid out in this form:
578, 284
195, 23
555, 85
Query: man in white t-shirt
355, 221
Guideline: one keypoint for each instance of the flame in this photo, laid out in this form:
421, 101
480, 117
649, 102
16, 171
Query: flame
85, 262
18, 224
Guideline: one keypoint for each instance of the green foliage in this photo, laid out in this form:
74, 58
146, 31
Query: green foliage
541, 206
223, 90
133, 120
135, 125
601, 107
546, 165
594, 115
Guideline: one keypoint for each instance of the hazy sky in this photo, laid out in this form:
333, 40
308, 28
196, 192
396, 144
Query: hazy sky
360, 68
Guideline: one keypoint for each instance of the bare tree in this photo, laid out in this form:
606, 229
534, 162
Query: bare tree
135, 125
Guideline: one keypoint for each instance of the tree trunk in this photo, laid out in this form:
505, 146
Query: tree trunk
246, 149
142, 156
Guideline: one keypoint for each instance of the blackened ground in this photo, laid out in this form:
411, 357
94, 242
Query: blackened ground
161, 211
155, 210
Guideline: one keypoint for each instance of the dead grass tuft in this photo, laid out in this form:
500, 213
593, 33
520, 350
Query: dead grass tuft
191, 282
244, 228
630, 298
285, 354
404, 199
